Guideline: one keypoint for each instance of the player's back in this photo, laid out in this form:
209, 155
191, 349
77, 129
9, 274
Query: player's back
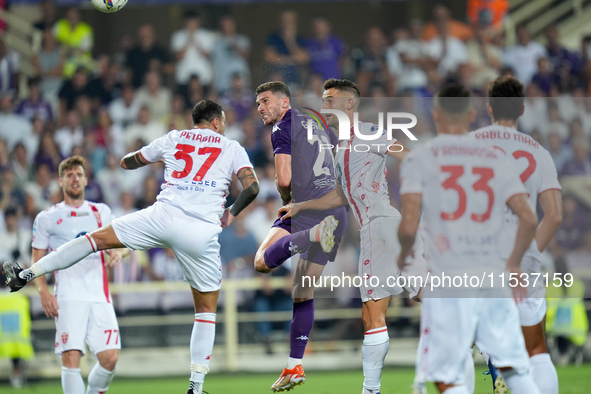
531, 161
312, 163
199, 164
464, 185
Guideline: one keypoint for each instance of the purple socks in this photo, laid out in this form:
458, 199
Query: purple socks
300, 328
284, 247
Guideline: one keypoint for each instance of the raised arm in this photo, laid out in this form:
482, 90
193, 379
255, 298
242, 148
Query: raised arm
551, 203
250, 190
133, 160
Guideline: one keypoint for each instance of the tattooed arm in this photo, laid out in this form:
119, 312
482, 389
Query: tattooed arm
133, 160
250, 189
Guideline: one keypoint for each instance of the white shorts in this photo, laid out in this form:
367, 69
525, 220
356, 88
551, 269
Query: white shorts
533, 309
450, 326
92, 322
379, 250
194, 242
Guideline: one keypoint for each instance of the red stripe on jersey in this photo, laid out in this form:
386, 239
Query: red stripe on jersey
105, 277
146, 160
90, 240
376, 332
348, 179
204, 321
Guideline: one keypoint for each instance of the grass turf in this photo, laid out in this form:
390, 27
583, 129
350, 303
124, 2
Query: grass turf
573, 380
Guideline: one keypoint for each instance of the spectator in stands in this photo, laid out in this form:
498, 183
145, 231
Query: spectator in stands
83, 106
14, 241
125, 204
70, 135
523, 57
411, 50
580, 165
554, 124
4, 156
457, 29
371, 66
176, 119
575, 232
238, 97
545, 78
48, 153
488, 13
93, 190
484, 58
35, 105
234, 129
561, 153
230, 55
561, 58
326, 50
193, 92
9, 70
21, 165
146, 56
156, 97
11, 194
144, 128
285, 50
192, 47
151, 190
105, 86
78, 40
42, 192
112, 180
49, 64
125, 109
447, 52
13, 127
70, 91
165, 267
48, 18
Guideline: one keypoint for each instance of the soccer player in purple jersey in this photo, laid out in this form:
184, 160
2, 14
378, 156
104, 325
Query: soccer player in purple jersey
310, 175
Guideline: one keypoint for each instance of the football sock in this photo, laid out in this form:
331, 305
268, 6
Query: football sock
300, 328
202, 338
63, 257
469, 377
72, 382
293, 362
457, 390
543, 373
375, 347
419, 381
520, 383
99, 379
284, 247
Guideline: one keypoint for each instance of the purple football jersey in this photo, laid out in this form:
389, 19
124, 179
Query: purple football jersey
312, 164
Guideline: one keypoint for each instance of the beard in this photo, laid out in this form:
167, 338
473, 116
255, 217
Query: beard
75, 194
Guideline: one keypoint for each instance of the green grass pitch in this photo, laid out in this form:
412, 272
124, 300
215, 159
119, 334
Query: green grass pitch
573, 380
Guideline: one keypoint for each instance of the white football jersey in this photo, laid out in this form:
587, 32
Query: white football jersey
360, 168
536, 170
53, 227
465, 185
199, 167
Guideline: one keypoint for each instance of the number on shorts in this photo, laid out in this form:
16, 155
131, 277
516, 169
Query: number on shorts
112, 333
184, 152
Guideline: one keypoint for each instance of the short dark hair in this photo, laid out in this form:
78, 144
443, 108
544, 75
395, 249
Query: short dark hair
454, 99
274, 87
506, 96
69, 163
343, 85
206, 111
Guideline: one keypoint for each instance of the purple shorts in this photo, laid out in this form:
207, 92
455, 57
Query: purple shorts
304, 221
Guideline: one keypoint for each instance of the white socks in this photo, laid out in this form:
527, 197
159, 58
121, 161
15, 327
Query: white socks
520, 383
72, 382
99, 379
375, 348
469, 377
293, 362
543, 373
63, 257
458, 389
202, 338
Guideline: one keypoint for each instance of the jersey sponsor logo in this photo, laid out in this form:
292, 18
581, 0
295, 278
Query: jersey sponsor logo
64, 338
74, 214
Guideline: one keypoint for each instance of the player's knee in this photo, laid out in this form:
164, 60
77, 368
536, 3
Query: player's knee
108, 359
260, 265
71, 359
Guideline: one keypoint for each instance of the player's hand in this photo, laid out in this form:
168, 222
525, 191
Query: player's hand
49, 303
227, 218
289, 210
115, 256
401, 261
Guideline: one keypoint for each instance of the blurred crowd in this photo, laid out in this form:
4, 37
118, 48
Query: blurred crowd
102, 106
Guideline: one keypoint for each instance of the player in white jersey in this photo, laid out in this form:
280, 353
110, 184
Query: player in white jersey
81, 303
538, 174
462, 186
188, 216
361, 176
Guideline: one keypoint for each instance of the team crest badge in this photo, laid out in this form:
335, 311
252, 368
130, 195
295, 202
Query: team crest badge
64, 338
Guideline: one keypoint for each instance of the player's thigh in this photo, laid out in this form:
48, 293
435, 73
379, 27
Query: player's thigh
196, 247
377, 259
448, 326
144, 229
103, 331
499, 332
533, 308
71, 326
